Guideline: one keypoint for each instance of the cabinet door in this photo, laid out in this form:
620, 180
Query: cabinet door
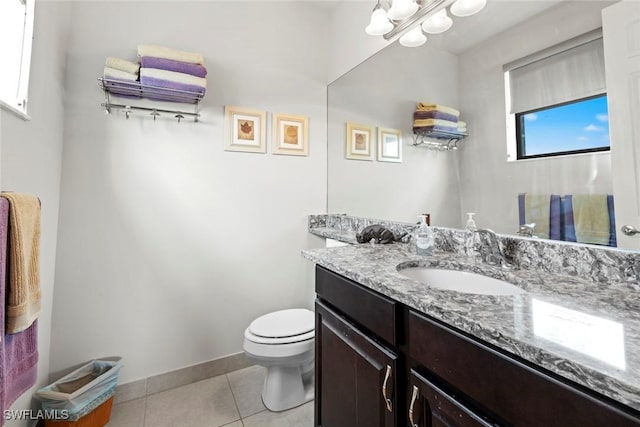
430, 406
356, 381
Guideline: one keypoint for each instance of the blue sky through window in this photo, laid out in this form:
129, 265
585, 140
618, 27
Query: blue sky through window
582, 125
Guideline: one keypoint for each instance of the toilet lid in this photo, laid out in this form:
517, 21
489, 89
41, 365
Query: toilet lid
284, 323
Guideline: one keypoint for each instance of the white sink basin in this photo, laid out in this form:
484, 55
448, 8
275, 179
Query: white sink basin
461, 281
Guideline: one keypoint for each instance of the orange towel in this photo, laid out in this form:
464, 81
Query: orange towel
23, 286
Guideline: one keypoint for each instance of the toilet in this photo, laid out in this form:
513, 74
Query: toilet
283, 342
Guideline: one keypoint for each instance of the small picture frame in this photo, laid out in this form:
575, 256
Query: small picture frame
245, 130
359, 145
290, 135
389, 145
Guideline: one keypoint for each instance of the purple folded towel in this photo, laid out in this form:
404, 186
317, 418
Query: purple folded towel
434, 115
18, 352
152, 81
171, 65
437, 128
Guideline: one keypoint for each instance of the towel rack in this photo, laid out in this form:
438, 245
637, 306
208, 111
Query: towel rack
139, 90
438, 139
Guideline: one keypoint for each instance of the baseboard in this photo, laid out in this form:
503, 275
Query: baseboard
179, 377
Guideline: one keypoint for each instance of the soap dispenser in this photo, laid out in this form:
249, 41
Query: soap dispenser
470, 235
424, 237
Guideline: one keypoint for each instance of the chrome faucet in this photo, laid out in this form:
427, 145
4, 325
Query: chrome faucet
490, 248
526, 230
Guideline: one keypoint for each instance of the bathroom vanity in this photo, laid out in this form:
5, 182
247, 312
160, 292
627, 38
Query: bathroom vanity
391, 351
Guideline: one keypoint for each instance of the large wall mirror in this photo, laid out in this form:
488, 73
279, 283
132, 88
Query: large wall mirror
459, 70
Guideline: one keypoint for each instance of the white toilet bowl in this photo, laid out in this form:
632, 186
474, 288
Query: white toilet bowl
282, 342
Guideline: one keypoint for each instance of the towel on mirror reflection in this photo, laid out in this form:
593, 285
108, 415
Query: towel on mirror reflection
18, 352
435, 122
112, 73
169, 53
434, 115
428, 129
172, 76
122, 65
591, 218
22, 302
537, 209
171, 65
423, 106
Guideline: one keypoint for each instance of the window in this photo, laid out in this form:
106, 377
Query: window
16, 31
556, 100
576, 127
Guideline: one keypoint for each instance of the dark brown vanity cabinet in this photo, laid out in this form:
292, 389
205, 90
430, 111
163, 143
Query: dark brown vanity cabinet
356, 371
379, 363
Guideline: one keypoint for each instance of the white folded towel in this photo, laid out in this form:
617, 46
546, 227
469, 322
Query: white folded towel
173, 76
462, 124
168, 53
122, 65
112, 73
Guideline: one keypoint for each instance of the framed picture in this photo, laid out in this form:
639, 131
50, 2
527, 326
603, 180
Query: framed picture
389, 145
245, 130
358, 142
290, 135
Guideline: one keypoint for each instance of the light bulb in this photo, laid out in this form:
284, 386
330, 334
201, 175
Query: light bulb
379, 23
438, 23
467, 7
402, 9
413, 38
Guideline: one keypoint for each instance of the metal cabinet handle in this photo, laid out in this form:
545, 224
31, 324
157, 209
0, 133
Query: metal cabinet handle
414, 397
388, 401
629, 230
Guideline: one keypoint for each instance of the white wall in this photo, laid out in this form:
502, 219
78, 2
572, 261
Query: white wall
31, 156
383, 92
349, 44
169, 246
490, 184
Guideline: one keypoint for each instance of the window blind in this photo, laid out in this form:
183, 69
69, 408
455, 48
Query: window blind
566, 72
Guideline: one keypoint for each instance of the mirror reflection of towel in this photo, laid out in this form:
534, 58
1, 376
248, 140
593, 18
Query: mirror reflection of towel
537, 208
591, 218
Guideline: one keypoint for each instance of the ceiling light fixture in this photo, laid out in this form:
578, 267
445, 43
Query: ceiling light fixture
409, 18
467, 7
437, 23
379, 23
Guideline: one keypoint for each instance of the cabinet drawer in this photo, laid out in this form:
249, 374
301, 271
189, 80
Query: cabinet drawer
375, 312
516, 393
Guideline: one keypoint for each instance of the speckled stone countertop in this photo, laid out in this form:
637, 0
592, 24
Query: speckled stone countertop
583, 330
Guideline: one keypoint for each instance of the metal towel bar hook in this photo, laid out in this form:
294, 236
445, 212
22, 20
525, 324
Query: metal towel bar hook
127, 111
155, 114
179, 117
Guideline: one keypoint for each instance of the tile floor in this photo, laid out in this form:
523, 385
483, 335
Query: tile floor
231, 400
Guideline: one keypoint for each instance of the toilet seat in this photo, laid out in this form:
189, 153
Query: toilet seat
283, 324
278, 341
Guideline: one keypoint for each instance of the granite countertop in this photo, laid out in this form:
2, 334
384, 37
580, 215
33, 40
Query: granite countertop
587, 332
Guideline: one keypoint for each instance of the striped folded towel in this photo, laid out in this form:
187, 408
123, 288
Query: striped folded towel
423, 106
434, 115
173, 76
169, 53
171, 65
122, 65
112, 73
435, 122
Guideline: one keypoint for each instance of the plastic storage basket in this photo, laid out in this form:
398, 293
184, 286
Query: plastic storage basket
79, 393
